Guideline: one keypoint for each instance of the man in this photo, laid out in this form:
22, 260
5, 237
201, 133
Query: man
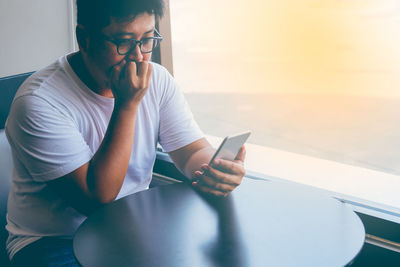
84, 131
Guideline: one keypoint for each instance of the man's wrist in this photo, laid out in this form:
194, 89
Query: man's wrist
194, 163
121, 105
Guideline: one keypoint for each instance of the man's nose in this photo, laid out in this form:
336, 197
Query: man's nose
136, 54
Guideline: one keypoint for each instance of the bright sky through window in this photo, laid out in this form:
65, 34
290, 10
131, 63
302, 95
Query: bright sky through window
287, 46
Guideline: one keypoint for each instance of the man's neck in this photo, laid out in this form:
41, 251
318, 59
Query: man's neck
79, 67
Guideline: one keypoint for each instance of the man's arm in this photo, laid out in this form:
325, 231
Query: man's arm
192, 160
100, 180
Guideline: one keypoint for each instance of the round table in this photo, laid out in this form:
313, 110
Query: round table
261, 223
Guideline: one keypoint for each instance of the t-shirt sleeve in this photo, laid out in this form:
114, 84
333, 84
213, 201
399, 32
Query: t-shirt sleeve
177, 125
44, 140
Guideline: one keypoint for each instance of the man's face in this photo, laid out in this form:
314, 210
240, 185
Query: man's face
102, 54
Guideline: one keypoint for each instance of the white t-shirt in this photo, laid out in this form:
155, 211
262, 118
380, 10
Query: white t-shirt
56, 124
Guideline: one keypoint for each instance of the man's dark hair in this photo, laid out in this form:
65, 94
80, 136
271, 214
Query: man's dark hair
94, 15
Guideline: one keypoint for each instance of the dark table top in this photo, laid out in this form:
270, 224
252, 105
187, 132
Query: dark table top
261, 223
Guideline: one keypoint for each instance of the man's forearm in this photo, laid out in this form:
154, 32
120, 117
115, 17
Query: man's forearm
109, 165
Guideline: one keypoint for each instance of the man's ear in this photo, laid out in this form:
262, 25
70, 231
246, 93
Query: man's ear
82, 38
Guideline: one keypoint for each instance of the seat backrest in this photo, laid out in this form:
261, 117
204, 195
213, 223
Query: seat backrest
6, 166
8, 88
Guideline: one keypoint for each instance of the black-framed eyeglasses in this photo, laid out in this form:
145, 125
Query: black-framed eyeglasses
126, 46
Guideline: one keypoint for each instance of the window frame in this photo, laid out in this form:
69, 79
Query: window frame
166, 45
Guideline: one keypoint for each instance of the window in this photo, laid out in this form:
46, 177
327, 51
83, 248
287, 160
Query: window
316, 82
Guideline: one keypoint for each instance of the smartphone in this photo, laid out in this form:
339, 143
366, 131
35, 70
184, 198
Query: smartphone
230, 147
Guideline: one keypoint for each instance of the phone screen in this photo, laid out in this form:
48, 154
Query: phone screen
230, 147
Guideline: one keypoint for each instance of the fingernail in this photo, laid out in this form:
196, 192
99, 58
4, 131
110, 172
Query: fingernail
204, 166
194, 184
216, 161
197, 172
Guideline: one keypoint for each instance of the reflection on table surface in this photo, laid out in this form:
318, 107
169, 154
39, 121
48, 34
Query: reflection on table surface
259, 224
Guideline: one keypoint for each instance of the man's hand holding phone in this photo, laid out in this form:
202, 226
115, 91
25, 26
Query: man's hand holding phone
226, 168
222, 176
